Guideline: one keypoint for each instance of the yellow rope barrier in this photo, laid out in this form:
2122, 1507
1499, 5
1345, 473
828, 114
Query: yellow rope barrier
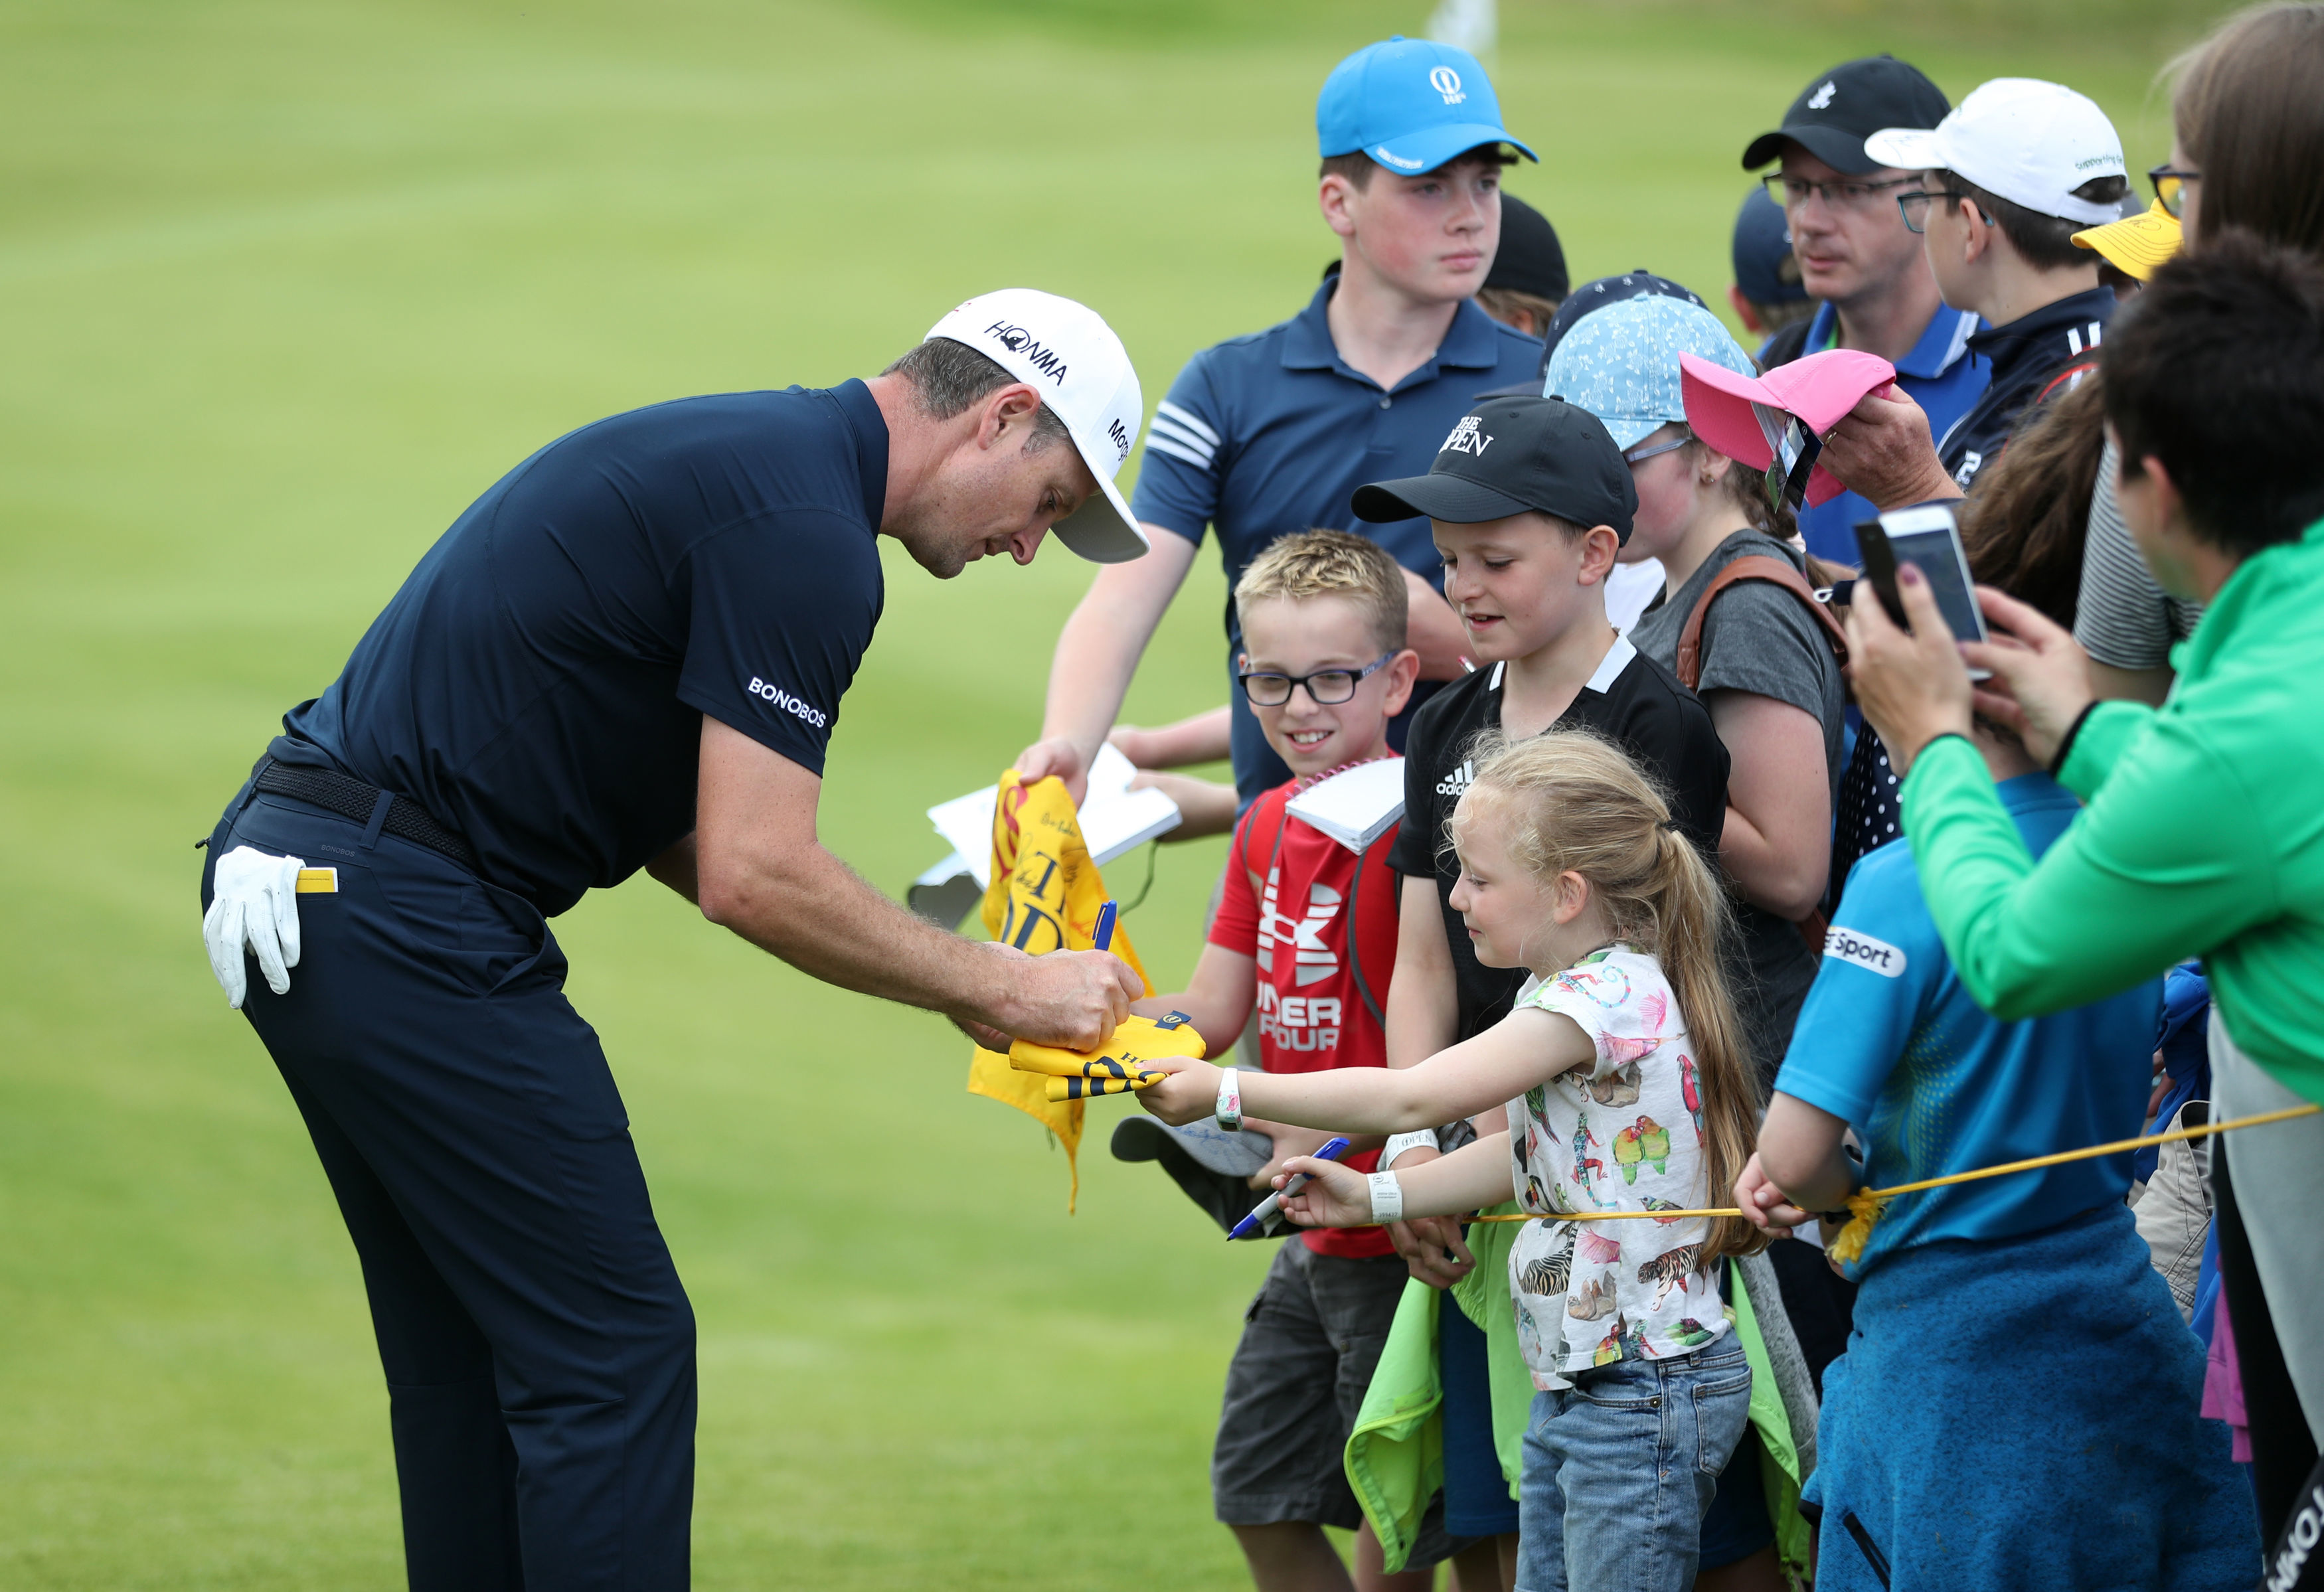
1865, 1205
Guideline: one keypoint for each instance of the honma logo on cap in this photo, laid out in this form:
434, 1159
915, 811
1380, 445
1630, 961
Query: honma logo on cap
1030, 348
1466, 439
1446, 82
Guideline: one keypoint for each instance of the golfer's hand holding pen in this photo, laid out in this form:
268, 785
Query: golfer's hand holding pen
1322, 1193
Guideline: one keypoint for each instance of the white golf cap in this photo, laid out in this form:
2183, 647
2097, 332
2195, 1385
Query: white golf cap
2019, 139
1065, 352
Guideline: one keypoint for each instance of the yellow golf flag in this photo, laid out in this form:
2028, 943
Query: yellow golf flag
1119, 1066
1045, 897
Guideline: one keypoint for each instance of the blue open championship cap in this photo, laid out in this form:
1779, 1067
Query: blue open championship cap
1411, 105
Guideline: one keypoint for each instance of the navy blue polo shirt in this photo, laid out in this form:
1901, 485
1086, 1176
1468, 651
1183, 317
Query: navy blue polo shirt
1265, 435
539, 683
1938, 373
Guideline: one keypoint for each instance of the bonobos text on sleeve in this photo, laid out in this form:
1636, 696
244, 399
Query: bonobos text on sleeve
783, 610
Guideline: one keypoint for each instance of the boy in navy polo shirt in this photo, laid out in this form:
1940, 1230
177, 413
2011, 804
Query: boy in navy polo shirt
2019, 1316
1305, 933
1265, 435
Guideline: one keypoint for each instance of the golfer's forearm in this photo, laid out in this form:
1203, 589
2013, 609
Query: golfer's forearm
1201, 739
1471, 1177
813, 912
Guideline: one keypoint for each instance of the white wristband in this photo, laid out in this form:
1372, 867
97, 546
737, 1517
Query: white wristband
1229, 1111
1398, 1143
1387, 1196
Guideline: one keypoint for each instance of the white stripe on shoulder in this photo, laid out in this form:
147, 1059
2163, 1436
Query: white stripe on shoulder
1191, 422
2073, 341
1157, 443
1163, 426
1609, 668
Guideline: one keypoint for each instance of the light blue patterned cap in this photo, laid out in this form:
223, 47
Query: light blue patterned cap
1621, 363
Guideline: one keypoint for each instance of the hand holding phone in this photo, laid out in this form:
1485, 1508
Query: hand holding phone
1927, 537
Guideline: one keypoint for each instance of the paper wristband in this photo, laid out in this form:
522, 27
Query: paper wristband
1398, 1143
1387, 1196
1229, 1108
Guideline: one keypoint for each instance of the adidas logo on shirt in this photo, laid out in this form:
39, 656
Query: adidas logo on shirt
1459, 780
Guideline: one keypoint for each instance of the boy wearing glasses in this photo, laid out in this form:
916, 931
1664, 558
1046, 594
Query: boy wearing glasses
1306, 932
1856, 256
2008, 181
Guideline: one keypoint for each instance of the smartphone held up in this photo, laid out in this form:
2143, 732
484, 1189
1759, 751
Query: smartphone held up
1927, 537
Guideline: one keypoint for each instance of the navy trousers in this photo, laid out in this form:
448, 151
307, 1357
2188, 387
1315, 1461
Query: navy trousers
538, 1345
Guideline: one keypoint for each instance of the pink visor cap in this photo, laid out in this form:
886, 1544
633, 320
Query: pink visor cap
1746, 417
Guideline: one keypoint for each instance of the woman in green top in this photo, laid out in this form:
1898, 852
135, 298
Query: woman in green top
2203, 829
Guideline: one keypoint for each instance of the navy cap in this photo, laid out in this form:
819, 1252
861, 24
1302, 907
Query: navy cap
1411, 105
1640, 283
1764, 266
1530, 259
1838, 110
1508, 456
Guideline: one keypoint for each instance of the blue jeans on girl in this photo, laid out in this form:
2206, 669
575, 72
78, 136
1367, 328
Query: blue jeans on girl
1619, 1468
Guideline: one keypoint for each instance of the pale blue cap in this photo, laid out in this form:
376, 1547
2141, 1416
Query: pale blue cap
1620, 362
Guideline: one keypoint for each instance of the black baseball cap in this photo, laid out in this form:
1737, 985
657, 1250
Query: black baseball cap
1530, 259
1839, 109
1508, 456
1596, 295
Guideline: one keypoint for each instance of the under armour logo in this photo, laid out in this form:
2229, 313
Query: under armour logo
1312, 960
1446, 82
1822, 99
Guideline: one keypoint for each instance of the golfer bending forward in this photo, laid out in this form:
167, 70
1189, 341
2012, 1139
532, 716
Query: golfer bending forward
630, 653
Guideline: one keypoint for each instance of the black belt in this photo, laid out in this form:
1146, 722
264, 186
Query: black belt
350, 798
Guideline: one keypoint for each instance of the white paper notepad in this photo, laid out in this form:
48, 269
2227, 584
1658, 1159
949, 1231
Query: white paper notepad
1354, 807
1114, 819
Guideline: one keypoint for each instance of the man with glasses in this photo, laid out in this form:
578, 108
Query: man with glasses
1856, 254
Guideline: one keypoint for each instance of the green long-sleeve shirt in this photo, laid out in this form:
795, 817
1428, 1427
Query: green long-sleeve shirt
2202, 835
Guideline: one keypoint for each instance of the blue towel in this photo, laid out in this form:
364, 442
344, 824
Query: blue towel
2021, 1415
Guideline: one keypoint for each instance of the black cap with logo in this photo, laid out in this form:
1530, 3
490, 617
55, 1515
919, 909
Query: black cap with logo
1838, 110
1511, 454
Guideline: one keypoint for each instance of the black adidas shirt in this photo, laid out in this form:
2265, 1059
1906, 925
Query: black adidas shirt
1631, 700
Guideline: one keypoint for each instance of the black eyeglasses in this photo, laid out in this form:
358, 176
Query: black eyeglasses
1792, 191
1915, 206
1325, 687
2171, 186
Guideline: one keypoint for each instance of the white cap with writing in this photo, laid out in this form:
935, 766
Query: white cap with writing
1065, 352
2019, 139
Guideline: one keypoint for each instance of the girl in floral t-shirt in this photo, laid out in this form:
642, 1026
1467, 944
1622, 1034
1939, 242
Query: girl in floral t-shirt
1623, 1075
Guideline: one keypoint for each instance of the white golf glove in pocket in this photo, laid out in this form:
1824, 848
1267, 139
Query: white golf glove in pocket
253, 908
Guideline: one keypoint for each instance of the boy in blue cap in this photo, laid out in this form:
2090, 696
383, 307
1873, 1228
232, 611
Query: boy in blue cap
1267, 434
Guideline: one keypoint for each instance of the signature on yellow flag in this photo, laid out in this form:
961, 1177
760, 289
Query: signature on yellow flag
1045, 897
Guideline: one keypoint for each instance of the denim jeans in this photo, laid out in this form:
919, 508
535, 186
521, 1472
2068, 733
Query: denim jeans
1619, 1468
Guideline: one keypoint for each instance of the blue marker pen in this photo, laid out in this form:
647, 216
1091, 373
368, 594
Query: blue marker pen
1102, 936
1249, 1226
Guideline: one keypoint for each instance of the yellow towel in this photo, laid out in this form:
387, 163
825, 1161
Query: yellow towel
1045, 897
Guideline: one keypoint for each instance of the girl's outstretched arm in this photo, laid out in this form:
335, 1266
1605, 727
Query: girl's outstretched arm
1471, 1177
1527, 1047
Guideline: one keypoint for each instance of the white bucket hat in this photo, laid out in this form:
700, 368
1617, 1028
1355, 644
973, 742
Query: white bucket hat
1065, 352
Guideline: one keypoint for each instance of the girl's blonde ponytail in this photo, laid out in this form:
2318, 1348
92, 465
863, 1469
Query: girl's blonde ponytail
1576, 803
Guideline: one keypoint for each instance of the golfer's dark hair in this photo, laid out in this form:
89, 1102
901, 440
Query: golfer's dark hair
2046, 242
948, 378
1357, 168
2217, 371
2249, 112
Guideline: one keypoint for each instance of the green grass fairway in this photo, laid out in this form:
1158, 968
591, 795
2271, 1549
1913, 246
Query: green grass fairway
283, 287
